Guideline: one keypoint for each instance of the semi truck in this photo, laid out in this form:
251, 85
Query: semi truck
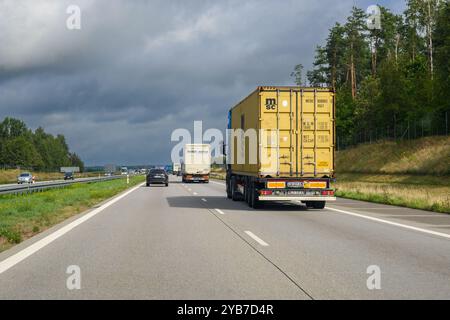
281, 147
196, 165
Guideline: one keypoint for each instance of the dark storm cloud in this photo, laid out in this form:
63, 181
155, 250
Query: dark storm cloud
139, 69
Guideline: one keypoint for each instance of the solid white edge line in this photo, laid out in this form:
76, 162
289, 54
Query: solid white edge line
222, 184
35, 247
220, 211
257, 239
439, 234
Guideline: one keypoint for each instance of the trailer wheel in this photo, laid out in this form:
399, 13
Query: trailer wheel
319, 204
246, 192
227, 186
234, 195
254, 202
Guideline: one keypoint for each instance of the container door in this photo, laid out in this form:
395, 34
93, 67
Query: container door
278, 134
316, 133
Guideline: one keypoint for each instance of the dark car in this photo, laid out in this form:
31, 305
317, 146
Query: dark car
69, 176
159, 176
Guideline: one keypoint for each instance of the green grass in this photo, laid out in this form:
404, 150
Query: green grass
21, 217
425, 156
414, 174
418, 192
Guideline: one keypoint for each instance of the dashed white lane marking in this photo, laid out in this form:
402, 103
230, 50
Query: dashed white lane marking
35, 247
220, 211
189, 189
204, 200
439, 234
257, 239
195, 193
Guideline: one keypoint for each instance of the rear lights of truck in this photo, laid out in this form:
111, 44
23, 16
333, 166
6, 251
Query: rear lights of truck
328, 193
266, 192
276, 184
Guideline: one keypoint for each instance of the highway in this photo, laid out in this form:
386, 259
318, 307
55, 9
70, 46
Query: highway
188, 241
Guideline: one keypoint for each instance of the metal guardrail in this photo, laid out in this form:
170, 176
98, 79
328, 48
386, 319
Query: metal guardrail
40, 186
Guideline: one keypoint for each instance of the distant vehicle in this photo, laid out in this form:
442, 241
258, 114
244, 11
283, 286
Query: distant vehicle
168, 168
26, 177
108, 174
157, 176
196, 166
69, 176
123, 170
296, 161
110, 168
176, 169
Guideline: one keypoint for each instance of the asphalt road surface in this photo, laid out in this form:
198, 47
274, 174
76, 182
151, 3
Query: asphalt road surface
188, 241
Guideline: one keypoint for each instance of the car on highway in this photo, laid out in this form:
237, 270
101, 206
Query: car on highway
26, 177
69, 176
157, 176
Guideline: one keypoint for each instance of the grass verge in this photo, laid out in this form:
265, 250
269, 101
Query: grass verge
22, 217
418, 192
425, 156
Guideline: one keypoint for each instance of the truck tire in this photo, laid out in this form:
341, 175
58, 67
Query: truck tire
246, 192
234, 193
254, 202
227, 183
318, 204
309, 204
249, 192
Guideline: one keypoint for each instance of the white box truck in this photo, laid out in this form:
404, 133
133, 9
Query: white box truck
196, 165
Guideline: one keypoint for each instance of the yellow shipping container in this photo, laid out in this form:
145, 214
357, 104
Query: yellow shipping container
287, 132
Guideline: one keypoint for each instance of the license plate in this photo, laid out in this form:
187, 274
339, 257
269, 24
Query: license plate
300, 193
295, 184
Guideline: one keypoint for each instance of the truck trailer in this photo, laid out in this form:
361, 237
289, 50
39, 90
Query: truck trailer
196, 165
281, 147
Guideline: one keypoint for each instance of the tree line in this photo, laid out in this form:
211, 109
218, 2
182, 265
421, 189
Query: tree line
389, 70
21, 147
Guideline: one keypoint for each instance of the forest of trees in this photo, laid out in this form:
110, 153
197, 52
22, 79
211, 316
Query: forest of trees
21, 147
392, 78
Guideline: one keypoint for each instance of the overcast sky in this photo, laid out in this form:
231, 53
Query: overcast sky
139, 69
